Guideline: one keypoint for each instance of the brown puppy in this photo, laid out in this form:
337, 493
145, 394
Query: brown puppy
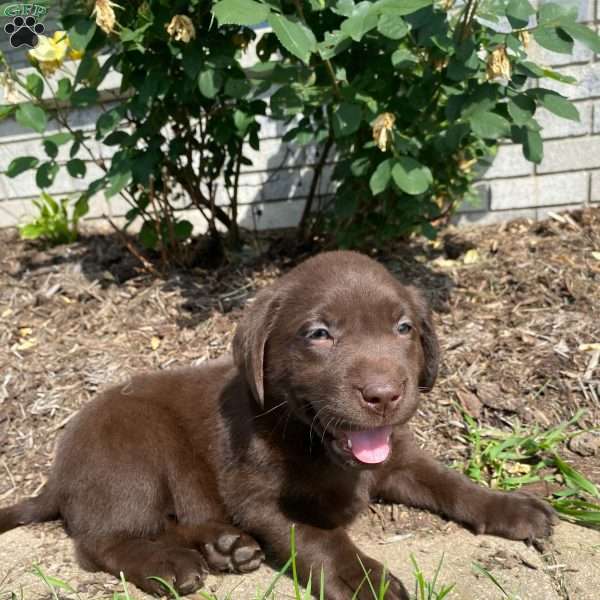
179, 472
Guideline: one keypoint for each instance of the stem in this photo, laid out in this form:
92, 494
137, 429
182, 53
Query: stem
313, 187
147, 264
468, 15
234, 232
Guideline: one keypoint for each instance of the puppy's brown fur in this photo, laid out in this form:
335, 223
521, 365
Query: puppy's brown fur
179, 472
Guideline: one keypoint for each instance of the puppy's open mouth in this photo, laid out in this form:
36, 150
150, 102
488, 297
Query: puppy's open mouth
369, 446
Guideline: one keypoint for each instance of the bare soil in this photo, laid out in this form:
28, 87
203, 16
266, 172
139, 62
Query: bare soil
517, 310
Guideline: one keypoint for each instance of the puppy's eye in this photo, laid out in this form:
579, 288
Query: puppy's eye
319, 335
404, 327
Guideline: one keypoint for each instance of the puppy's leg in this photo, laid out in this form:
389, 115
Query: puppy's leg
420, 481
344, 566
139, 559
225, 547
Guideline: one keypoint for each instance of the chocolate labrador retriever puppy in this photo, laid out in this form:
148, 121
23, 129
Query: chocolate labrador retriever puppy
179, 472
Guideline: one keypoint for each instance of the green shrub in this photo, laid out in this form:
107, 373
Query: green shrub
409, 98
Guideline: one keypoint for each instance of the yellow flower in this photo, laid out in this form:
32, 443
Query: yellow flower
105, 15
382, 130
50, 52
75, 54
181, 29
498, 64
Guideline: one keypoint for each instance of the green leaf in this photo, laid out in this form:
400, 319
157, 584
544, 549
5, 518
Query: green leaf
334, 43
400, 7
242, 121
35, 84
553, 39
489, 125
363, 19
346, 119
46, 173
109, 121
117, 138
532, 70
6, 110
236, 87
518, 13
209, 82
50, 148
554, 13
392, 26
89, 70
381, 177
240, 12
533, 147
117, 181
81, 33
555, 103
31, 116
521, 108
403, 58
60, 138
411, 176
21, 164
81, 208
64, 89
76, 168
134, 36
583, 34
84, 97
148, 235
183, 230
294, 36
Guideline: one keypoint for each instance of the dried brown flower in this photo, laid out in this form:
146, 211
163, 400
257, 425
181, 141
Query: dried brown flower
382, 130
181, 29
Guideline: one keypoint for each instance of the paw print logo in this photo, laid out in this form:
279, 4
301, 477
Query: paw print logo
24, 32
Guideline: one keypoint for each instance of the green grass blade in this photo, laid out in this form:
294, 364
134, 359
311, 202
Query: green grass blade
574, 478
487, 574
172, 591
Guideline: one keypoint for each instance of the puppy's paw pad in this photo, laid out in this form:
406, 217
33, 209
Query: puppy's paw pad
234, 552
184, 570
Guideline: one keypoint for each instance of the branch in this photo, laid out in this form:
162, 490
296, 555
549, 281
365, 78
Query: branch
313, 187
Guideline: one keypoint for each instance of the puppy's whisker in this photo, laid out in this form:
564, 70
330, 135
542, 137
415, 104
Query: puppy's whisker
266, 412
314, 420
325, 429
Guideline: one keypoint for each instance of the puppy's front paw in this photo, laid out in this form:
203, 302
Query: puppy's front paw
517, 516
353, 578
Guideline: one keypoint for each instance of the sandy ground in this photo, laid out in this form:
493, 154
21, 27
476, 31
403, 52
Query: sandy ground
567, 567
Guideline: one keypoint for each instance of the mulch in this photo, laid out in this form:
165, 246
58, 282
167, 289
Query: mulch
517, 308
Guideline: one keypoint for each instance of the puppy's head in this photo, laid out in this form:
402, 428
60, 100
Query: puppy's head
346, 347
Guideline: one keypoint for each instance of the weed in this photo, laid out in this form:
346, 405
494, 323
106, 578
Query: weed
508, 460
53, 223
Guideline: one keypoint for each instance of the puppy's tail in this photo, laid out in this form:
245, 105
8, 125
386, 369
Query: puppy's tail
33, 510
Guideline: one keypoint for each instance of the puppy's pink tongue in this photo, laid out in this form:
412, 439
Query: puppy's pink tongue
370, 446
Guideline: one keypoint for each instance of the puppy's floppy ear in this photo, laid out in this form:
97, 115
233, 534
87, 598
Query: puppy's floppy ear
429, 341
251, 337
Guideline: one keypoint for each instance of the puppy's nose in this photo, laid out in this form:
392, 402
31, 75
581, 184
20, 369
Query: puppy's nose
380, 396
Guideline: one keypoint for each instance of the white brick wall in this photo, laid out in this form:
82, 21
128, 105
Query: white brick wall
274, 188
